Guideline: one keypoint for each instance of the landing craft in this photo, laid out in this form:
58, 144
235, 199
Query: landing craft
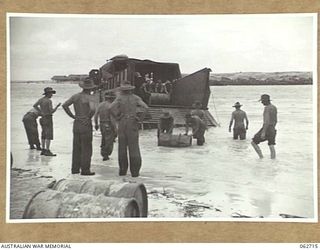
178, 97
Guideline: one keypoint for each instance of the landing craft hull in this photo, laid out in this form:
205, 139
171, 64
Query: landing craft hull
185, 90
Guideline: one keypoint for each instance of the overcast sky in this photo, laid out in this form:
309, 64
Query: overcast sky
41, 47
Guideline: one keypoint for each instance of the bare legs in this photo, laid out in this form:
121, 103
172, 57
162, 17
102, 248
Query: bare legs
272, 151
46, 148
258, 150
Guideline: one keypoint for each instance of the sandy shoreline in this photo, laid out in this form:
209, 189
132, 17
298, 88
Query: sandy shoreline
163, 201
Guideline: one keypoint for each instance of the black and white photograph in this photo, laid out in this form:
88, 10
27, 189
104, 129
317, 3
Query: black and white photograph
161, 118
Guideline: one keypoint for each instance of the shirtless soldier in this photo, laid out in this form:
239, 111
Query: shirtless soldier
239, 130
268, 130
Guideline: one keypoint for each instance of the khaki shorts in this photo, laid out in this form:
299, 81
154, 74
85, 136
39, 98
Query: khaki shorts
47, 127
270, 136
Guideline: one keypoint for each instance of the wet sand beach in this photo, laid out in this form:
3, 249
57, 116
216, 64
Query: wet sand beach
220, 180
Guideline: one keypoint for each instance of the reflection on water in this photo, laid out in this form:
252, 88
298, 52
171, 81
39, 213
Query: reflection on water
224, 173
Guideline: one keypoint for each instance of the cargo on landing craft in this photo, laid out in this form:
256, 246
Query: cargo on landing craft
159, 84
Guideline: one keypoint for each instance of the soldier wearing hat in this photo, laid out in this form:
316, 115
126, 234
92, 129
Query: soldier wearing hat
126, 108
82, 127
44, 107
165, 124
268, 130
107, 126
239, 116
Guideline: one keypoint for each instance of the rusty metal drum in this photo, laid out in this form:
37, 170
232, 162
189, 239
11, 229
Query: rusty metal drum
107, 188
170, 140
54, 204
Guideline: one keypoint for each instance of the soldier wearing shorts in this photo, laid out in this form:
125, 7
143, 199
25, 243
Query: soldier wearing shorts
239, 116
44, 107
268, 131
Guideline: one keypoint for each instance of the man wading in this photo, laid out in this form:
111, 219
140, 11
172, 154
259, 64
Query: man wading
239, 130
198, 128
268, 131
82, 127
125, 108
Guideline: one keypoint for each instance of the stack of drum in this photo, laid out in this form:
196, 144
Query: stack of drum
83, 198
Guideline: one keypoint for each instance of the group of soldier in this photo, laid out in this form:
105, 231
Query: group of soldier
117, 117
144, 86
195, 119
120, 115
266, 133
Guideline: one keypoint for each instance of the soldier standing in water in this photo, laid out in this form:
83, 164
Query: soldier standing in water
239, 116
268, 130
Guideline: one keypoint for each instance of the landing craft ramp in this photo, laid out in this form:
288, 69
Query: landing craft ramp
179, 116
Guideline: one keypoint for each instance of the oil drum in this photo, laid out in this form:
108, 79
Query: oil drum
159, 99
107, 188
170, 140
54, 204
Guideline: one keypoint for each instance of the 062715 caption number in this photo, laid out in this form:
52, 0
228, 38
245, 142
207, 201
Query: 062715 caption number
308, 245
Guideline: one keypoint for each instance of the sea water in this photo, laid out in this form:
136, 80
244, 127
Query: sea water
221, 179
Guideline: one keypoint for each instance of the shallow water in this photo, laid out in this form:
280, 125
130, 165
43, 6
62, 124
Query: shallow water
216, 180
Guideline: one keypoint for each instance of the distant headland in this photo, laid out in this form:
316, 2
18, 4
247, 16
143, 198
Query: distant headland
261, 78
218, 79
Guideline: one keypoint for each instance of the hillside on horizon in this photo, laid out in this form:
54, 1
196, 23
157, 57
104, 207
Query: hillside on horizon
237, 78
262, 78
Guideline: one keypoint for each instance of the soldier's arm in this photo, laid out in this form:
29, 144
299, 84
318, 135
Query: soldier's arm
92, 107
96, 117
266, 121
142, 104
52, 110
66, 108
231, 121
247, 120
114, 108
276, 114
197, 123
144, 108
113, 123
